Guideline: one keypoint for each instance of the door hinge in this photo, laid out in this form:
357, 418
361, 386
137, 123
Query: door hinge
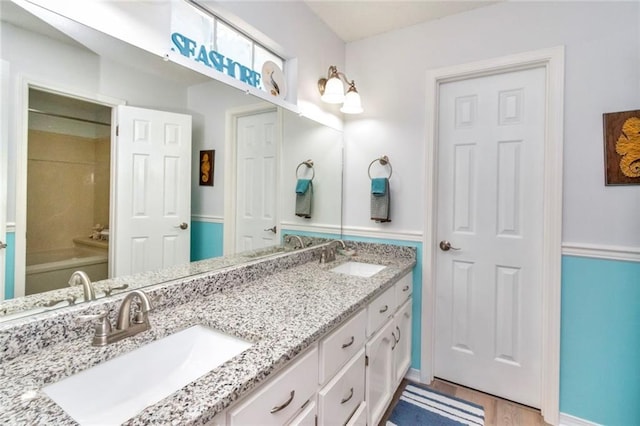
117, 130
366, 360
316, 420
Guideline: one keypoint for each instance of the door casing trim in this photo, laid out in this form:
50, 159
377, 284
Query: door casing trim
26, 82
552, 60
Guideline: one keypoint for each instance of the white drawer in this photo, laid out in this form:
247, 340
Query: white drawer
343, 394
380, 309
341, 345
307, 417
359, 418
404, 288
282, 397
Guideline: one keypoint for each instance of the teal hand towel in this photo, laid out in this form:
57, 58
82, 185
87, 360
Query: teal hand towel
380, 201
302, 185
379, 186
304, 198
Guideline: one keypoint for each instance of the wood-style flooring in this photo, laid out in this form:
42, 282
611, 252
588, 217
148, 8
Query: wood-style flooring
497, 411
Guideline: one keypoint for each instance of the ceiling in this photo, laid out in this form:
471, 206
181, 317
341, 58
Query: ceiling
353, 20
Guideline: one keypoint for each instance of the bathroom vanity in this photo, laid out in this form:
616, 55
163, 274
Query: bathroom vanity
325, 343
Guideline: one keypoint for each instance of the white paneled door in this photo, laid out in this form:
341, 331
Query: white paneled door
256, 206
490, 234
153, 191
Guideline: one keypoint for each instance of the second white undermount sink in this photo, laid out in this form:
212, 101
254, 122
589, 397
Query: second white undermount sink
358, 269
116, 390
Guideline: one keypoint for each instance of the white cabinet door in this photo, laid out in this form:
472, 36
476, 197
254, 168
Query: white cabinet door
379, 373
402, 335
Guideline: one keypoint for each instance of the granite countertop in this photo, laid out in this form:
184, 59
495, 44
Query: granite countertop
283, 313
68, 296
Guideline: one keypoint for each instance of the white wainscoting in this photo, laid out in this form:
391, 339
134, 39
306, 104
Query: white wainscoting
601, 251
207, 218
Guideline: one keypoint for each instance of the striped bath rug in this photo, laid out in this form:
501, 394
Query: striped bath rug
419, 406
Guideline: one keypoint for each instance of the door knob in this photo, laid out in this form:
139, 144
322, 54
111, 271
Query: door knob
446, 246
3, 245
183, 225
272, 229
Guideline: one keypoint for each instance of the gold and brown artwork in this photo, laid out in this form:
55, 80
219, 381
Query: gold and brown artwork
622, 147
206, 167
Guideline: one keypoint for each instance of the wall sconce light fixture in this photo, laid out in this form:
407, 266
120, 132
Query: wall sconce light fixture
332, 91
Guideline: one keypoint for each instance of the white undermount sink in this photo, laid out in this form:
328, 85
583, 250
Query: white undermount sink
358, 269
116, 390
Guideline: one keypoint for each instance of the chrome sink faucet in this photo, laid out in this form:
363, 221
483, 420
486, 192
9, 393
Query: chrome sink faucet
288, 239
125, 325
328, 253
81, 278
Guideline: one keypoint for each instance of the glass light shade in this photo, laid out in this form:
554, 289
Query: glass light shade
333, 91
352, 103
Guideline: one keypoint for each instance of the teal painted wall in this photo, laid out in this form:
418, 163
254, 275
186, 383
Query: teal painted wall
600, 340
10, 261
206, 240
416, 314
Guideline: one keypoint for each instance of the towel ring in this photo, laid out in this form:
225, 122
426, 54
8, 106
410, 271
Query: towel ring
309, 164
384, 160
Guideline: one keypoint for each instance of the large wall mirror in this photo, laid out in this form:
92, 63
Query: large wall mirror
69, 89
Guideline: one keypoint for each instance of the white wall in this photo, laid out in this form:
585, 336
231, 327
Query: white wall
76, 70
299, 34
602, 42
209, 103
290, 28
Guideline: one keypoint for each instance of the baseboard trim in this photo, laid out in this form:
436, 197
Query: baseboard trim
413, 375
569, 420
207, 218
601, 251
356, 231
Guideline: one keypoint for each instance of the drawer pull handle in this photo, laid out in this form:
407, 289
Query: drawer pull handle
283, 406
385, 309
395, 342
405, 288
346, 345
345, 400
398, 328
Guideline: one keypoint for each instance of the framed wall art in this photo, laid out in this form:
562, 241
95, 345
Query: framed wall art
207, 163
622, 147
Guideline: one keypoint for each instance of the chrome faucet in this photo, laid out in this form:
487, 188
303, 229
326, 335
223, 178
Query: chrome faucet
288, 238
125, 325
81, 278
344, 246
329, 251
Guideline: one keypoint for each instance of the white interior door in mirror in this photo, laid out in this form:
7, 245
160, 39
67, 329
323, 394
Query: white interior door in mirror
257, 185
152, 208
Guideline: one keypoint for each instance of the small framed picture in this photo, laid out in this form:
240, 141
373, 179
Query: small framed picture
207, 162
622, 147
